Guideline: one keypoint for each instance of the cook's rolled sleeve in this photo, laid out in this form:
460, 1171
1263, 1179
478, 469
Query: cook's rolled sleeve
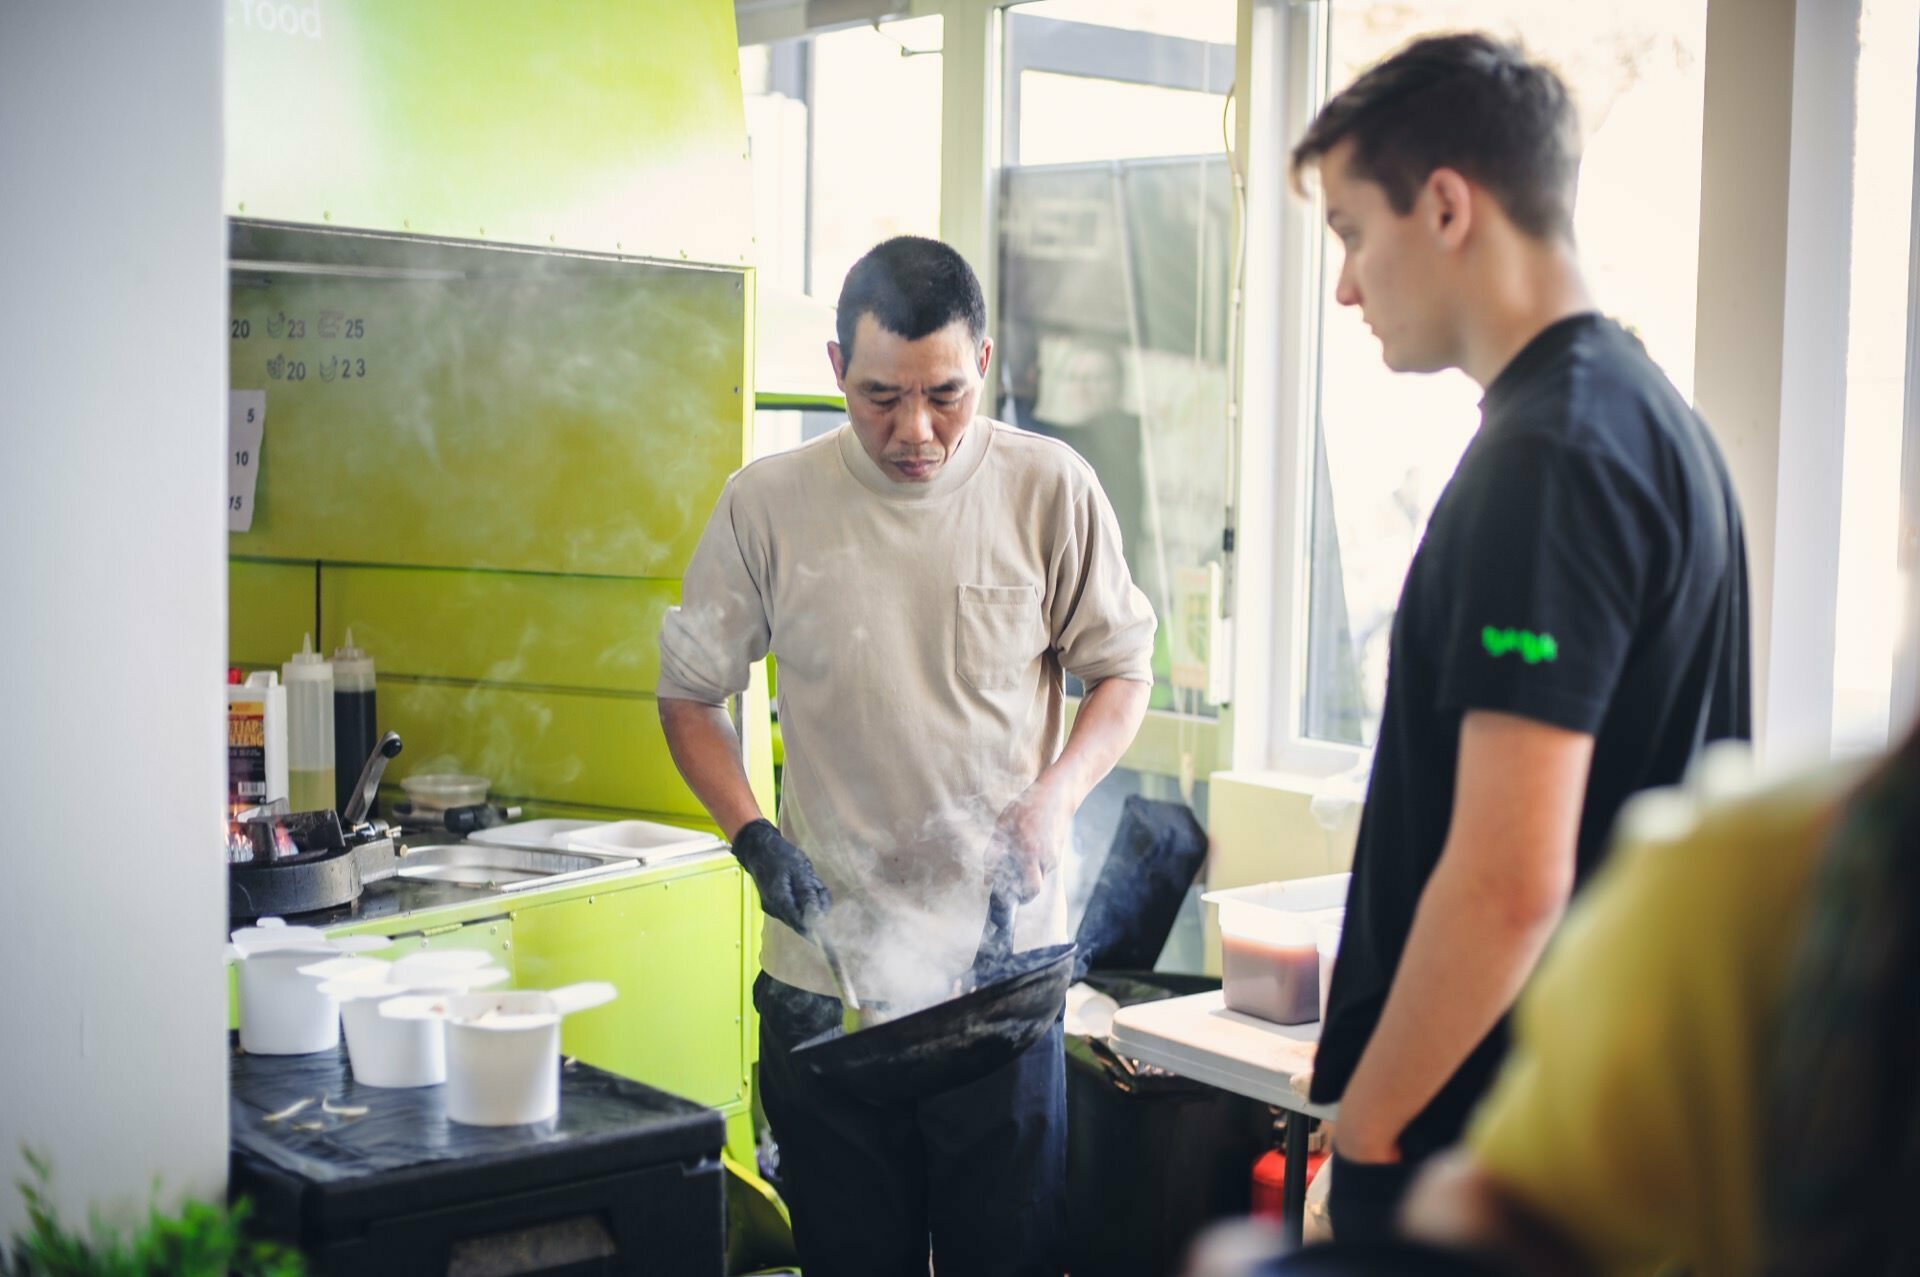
1102, 625
709, 644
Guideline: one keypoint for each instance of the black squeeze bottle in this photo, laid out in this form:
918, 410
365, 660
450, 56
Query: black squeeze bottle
355, 724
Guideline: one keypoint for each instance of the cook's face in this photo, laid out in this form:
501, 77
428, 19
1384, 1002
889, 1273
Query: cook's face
910, 401
1390, 266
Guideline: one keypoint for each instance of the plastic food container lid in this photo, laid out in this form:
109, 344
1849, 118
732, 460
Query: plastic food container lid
1289, 913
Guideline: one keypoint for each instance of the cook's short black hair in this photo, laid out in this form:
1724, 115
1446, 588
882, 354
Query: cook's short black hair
912, 286
1467, 102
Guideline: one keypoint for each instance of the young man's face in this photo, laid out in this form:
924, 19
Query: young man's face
910, 401
1393, 268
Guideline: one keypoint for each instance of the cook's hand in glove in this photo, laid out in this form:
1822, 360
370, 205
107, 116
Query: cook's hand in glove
1027, 840
789, 888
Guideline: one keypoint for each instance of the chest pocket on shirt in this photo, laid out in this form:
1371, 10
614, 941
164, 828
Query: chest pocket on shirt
998, 634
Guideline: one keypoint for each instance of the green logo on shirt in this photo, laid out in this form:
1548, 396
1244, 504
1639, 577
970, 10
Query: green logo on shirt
1533, 648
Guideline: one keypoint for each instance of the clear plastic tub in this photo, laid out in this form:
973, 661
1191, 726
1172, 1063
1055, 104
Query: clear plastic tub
439, 791
1269, 945
1327, 941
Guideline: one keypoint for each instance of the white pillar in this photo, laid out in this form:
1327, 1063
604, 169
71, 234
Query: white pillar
1775, 247
113, 571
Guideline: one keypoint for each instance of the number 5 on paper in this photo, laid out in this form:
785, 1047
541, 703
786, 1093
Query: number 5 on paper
246, 426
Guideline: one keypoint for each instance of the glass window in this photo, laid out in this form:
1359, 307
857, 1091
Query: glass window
876, 143
1115, 232
1871, 590
1385, 445
844, 133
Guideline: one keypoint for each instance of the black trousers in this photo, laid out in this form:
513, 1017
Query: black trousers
976, 1174
1364, 1199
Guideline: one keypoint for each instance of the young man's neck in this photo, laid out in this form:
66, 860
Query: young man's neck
1523, 292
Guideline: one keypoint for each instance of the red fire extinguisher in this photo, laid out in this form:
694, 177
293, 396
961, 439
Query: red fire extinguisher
1270, 1172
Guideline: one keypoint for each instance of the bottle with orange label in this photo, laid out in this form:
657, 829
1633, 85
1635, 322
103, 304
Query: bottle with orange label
256, 740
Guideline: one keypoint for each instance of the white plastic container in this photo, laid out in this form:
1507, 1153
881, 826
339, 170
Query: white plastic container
503, 1049
1327, 942
283, 1010
309, 680
390, 1052
1270, 957
256, 741
646, 841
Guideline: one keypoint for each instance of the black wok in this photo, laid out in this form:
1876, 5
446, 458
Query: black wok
1014, 1000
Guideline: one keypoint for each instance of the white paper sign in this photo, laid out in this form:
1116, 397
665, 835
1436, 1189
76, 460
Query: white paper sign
246, 426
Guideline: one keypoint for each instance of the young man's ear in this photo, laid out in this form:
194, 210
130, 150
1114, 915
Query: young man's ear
1450, 199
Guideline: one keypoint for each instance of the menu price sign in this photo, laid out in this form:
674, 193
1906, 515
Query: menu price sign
246, 426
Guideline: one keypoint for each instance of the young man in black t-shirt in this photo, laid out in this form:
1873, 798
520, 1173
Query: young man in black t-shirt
1573, 627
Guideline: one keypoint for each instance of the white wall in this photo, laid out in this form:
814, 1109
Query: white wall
113, 580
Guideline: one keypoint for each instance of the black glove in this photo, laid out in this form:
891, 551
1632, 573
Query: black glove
789, 888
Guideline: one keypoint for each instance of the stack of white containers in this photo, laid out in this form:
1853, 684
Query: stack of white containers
414, 1022
503, 1048
400, 1053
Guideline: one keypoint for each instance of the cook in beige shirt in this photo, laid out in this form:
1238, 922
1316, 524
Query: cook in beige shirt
922, 628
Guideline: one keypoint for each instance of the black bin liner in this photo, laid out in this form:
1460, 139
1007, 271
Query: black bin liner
1152, 1158
626, 1179
1156, 851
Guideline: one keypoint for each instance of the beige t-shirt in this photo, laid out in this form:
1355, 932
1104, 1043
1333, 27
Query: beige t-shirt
921, 632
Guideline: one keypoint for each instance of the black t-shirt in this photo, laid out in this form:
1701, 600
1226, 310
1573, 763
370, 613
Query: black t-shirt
1585, 567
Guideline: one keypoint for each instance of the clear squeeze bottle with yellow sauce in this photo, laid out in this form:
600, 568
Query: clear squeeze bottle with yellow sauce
309, 680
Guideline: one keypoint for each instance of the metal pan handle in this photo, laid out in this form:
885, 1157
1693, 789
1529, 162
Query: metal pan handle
996, 942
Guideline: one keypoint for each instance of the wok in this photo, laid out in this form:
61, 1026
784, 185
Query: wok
1013, 1000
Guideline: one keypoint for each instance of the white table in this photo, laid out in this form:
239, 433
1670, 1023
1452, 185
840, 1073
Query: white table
1197, 1037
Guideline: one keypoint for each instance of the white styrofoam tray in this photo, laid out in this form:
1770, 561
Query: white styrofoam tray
647, 841
539, 835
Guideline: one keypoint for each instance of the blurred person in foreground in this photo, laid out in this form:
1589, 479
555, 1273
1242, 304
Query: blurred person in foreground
1717, 1068
1573, 627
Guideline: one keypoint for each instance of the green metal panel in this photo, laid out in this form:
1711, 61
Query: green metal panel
613, 125
571, 747
269, 608
493, 627
493, 937
673, 948
572, 421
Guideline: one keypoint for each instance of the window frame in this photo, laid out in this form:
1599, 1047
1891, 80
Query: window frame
1272, 520
1904, 708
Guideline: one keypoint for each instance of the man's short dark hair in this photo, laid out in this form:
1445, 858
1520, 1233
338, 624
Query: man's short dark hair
912, 287
1466, 102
